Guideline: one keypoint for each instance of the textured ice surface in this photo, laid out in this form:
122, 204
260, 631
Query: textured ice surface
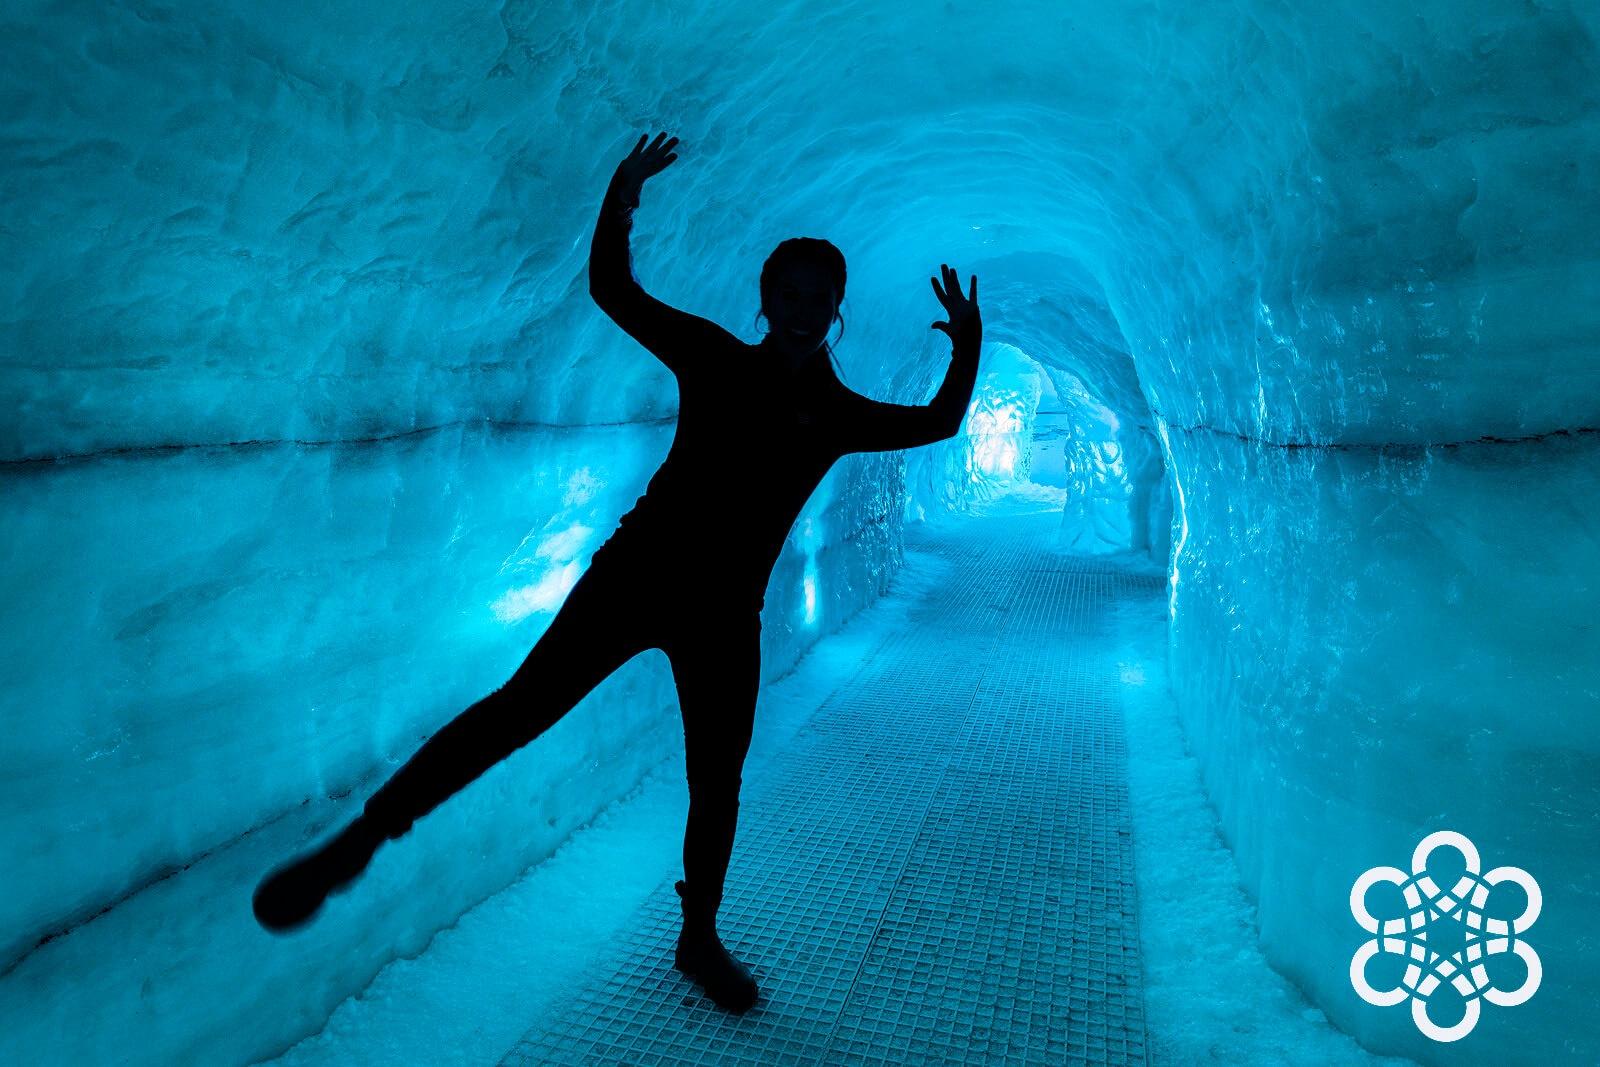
1209, 996
1370, 645
301, 381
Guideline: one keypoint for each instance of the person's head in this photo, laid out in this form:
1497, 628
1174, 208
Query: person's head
802, 286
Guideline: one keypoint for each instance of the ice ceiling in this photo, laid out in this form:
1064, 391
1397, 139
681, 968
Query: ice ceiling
302, 376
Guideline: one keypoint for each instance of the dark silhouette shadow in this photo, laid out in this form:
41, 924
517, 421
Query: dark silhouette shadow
686, 571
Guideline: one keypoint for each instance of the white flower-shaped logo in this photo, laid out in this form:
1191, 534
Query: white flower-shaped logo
1432, 963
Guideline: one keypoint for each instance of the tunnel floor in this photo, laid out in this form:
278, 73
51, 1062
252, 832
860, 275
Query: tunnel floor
940, 865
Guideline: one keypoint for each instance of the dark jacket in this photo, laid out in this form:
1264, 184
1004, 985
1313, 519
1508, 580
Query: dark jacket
754, 438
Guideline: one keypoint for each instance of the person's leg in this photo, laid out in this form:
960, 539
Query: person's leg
597, 629
717, 668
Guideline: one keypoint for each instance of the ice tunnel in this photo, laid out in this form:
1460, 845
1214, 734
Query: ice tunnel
1266, 550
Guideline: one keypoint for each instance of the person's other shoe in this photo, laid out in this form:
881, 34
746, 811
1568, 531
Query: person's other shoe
291, 895
702, 957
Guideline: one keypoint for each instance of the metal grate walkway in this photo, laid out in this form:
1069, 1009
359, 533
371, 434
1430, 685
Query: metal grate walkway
939, 871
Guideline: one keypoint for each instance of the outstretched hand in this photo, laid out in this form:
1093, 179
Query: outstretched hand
962, 310
643, 163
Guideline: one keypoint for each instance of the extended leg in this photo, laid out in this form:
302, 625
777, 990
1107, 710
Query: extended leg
592, 635
595, 632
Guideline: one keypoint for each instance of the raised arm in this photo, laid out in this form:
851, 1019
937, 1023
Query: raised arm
874, 426
676, 338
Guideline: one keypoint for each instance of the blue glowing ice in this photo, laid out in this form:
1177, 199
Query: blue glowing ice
312, 426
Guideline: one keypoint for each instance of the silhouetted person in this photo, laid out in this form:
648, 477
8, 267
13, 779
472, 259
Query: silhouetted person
686, 571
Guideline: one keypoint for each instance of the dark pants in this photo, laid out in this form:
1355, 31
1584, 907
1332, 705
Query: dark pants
626, 602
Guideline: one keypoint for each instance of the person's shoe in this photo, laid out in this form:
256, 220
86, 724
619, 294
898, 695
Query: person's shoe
291, 895
702, 957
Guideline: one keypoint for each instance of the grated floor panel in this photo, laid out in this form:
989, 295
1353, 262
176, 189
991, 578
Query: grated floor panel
940, 870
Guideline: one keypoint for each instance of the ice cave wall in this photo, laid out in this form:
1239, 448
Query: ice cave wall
1375, 362
311, 420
